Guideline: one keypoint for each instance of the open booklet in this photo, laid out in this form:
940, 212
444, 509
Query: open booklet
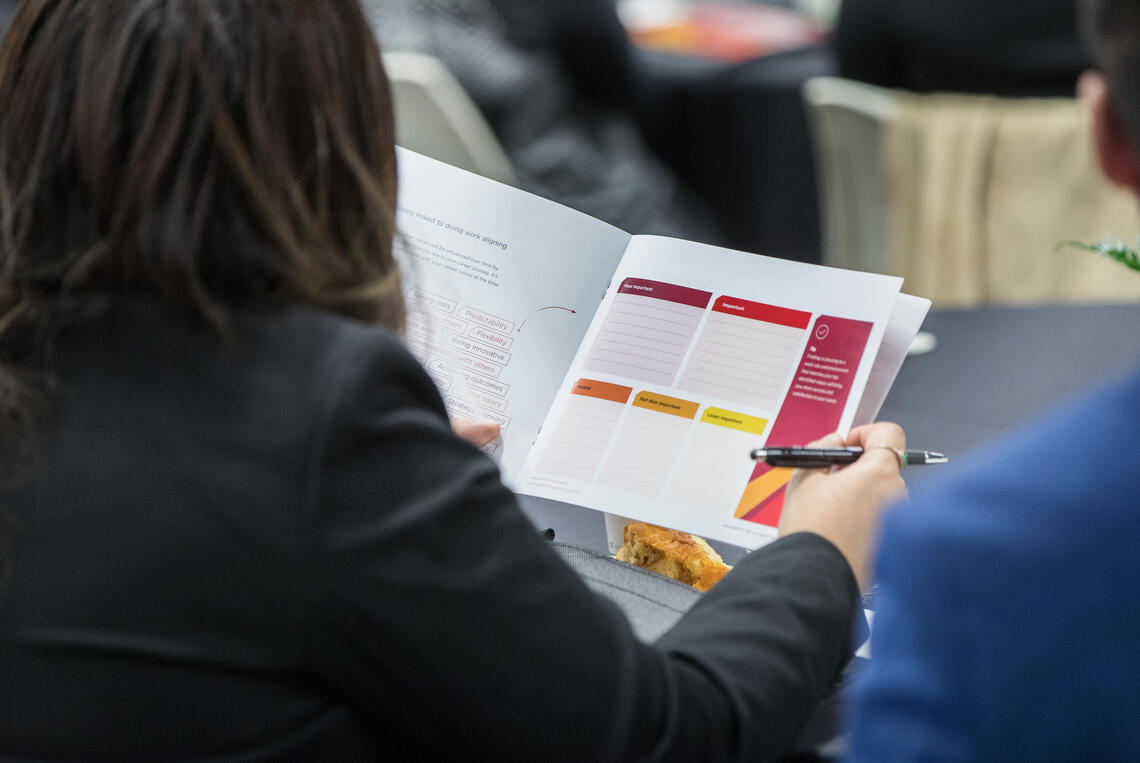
634, 374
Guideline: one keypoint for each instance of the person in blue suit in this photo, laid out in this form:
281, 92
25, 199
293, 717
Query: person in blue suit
1009, 604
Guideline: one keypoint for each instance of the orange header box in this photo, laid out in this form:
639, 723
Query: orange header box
686, 409
615, 393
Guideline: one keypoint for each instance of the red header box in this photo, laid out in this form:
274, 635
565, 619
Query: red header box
758, 311
682, 295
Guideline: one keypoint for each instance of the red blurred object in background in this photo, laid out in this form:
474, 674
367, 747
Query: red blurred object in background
725, 31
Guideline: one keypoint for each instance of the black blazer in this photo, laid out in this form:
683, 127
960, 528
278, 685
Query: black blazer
999, 47
275, 549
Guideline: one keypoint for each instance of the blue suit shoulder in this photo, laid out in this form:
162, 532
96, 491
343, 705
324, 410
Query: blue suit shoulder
1054, 469
1008, 611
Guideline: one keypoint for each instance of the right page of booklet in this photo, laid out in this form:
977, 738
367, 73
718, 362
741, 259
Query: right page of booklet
696, 356
906, 319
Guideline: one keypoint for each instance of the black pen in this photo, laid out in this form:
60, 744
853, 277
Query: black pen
818, 458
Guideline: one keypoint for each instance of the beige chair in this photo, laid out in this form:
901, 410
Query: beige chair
436, 117
966, 196
846, 120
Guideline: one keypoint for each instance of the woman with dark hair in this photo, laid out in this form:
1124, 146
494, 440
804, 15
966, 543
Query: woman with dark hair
240, 526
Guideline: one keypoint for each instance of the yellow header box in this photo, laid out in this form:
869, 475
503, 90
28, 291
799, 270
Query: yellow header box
733, 420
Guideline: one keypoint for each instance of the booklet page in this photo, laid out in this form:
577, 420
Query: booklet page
500, 286
906, 319
696, 356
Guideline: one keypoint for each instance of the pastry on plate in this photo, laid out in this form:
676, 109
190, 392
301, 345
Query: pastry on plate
678, 555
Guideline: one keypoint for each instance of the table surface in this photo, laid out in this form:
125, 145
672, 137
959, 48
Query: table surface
993, 369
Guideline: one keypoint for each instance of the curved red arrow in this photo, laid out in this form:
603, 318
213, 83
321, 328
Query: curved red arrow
539, 310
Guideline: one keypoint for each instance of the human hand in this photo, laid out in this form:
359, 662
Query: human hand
478, 433
845, 505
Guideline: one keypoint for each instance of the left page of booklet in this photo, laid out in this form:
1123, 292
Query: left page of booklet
501, 286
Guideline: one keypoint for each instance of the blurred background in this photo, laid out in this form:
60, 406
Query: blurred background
658, 116
938, 140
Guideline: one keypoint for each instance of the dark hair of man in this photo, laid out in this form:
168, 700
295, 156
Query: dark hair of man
224, 155
1111, 31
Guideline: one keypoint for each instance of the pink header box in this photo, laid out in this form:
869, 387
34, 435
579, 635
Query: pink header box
682, 295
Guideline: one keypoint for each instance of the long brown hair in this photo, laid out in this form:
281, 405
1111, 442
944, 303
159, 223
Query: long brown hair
225, 155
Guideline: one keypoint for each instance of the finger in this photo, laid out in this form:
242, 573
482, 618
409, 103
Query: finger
880, 433
833, 440
884, 446
478, 433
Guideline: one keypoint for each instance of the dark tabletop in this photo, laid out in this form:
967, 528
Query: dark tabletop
997, 368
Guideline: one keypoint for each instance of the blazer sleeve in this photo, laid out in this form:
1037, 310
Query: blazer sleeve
439, 613
919, 698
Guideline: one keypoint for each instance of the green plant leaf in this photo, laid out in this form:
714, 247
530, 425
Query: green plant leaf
1114, 250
